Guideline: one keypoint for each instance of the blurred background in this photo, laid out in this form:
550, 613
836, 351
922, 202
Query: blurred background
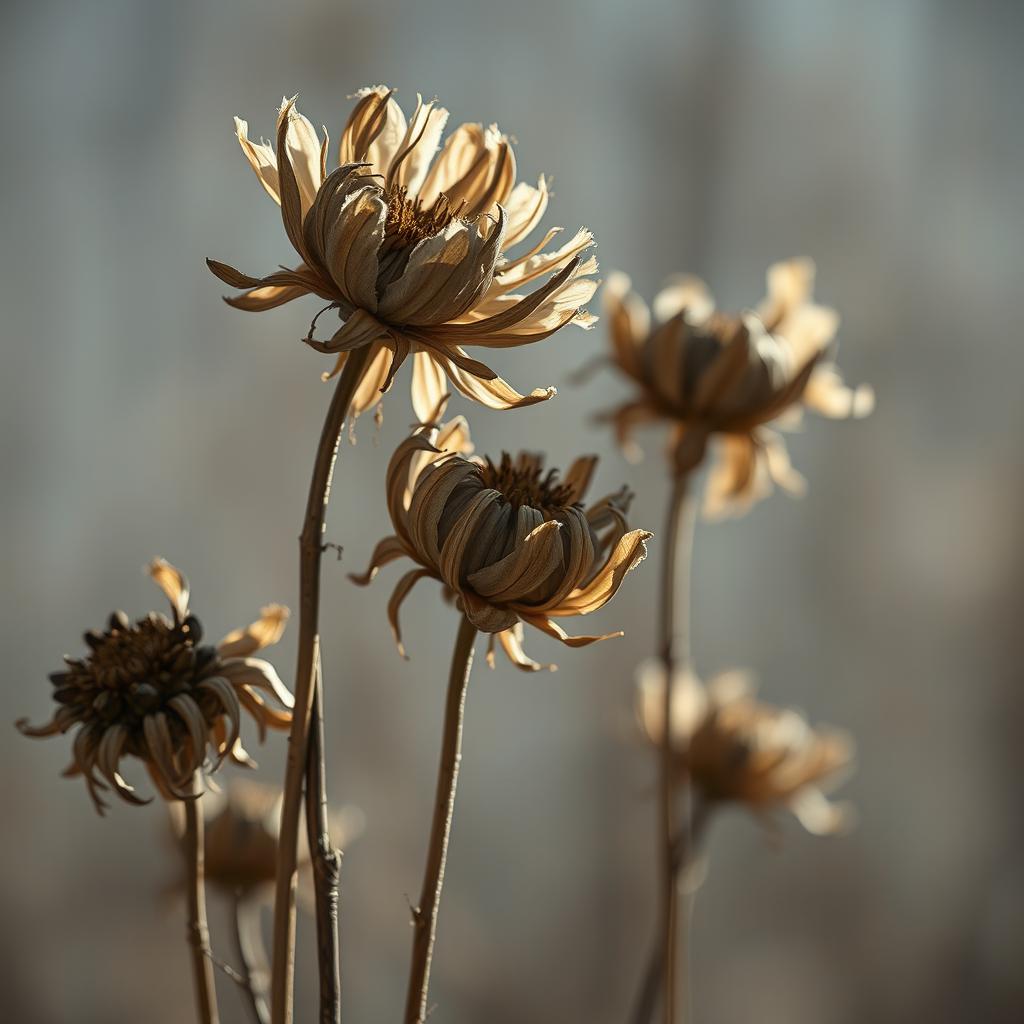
141, 416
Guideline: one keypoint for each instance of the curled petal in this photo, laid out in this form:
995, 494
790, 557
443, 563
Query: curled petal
549, 626
257, 674
401, 591
524, 569
173, 584
818, 814
684, 294
158, 740
62, 720
526, 207
188, 711
495, 393
225, 693
630, 551
386, 551
266, 630
511, 641
259, 300
262, 160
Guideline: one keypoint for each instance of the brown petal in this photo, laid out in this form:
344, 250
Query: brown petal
526, 567
386, 551
402, 588
512, 643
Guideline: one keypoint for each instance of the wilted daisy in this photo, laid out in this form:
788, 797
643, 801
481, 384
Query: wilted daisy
241, 834
729, 375
513, 543
736, 749
411, 250
152, 690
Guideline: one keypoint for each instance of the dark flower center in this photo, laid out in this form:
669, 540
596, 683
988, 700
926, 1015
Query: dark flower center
134, 669
409, 222
521, 481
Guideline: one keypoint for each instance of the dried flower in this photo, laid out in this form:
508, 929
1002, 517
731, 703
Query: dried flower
151, 690
512, 543
711, 373
242, 825
736, 749
410, 250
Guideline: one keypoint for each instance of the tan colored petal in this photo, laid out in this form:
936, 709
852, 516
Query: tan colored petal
684, 293
494, 394
549, 626
266, 630
409, 167
387, 550
511, 641
526, 208
353, 243
298, 139
428, 386
172, 583
401, 591
628, 321
526, 567
630, 551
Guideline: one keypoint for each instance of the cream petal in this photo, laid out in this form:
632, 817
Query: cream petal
684, 292
495, 393
257, 674
428, 386
172, 583
410, 166
266, 630
526, 208
302, 146
261, 158
386, 146
367, 120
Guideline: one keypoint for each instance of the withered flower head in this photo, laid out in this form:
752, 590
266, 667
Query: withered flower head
736, 749
513, 543
242, 826
151, 689
729, 375
411, 250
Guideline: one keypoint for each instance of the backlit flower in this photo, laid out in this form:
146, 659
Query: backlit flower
709, 374
241, 834
513, 543
150, 689
736, 749
411, 250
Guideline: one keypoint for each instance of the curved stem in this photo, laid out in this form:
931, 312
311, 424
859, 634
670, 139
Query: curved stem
674, 649
251, 955
310, 555
424, 916
325, 860
198, 930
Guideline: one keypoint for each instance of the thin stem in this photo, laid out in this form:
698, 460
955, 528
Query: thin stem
684, 852
251, 955
310, 555
326, 861
198, 930
674, 647
424, 918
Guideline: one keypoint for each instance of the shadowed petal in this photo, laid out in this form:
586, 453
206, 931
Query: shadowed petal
386, 551
266, 630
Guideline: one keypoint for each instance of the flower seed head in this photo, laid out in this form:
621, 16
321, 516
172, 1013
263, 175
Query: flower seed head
152, 690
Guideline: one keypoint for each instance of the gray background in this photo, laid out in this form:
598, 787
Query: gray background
141, 416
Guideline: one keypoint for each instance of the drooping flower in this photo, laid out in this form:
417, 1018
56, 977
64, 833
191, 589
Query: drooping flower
736, 749
241, 835
513, 544
712, 374
411, 250
152, 690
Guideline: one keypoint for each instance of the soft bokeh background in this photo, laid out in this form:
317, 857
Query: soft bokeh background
141, 416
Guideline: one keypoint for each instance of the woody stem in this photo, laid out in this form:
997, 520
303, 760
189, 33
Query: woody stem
310, 556
674, 649
424, 918
198, 930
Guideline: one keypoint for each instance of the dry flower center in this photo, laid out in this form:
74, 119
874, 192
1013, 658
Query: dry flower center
134, 670
409, 222
521, 482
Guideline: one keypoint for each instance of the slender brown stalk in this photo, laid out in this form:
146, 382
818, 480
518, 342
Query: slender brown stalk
424, 918
685, 850
674, 648
198, 930
326, 861
310, 555
251, 955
